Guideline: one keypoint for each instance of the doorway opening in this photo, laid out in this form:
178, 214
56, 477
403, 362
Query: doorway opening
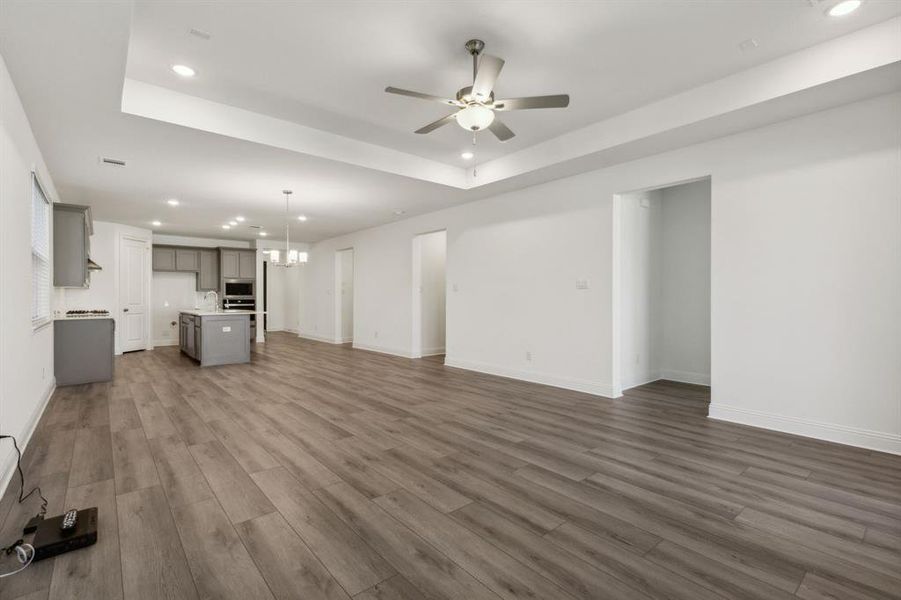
344, 296
134, 294
662, 293
429, 294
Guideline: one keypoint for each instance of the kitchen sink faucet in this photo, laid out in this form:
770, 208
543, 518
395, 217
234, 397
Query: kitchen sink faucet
216, 295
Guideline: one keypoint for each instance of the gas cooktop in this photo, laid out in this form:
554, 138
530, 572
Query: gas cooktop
87, 313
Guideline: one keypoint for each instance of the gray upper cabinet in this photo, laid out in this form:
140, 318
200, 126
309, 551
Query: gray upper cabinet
163, 258
72, 229
187, 259
247, 265
230, 264
208, 276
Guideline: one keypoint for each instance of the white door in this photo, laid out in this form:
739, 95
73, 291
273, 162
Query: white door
132, 294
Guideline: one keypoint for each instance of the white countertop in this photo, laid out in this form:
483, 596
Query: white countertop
202, 312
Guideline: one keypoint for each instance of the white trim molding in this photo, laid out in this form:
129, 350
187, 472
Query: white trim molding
383, 350
685, 377
9, 466
830, 432
596, 388
316, 337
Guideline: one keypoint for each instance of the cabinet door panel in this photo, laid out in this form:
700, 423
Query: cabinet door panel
208, 277
247, 265
229, 264
186, 260
163, 259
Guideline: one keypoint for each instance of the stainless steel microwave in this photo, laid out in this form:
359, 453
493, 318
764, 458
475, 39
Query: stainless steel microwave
238, 288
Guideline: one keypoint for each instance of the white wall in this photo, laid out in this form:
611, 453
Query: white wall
640, 287
513, 260
171, 293
684, 315
433, 258
275, 297
346, 291
26, 355
665, 285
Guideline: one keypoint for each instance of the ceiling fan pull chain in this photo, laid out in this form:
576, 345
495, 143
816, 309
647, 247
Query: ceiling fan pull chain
475, 173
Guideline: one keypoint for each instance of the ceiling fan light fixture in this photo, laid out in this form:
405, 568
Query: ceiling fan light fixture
475, 117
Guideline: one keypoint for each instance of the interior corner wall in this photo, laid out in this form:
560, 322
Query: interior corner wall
684, 308
640, 287
805, 231
433, 284
26, 355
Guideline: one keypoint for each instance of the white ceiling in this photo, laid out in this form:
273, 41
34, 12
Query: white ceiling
325, 65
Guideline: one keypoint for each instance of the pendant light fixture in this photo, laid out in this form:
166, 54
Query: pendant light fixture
291, 257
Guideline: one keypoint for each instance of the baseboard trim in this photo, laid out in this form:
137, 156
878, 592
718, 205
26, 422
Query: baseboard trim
432, 351
24, 438
165, 343
685, 377
642, 380
315, 337
383, 350
568, 383
830, 432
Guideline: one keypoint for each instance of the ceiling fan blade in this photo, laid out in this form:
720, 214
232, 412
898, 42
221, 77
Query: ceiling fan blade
486, 76
436, 124
557, 101
421, 96
500, 131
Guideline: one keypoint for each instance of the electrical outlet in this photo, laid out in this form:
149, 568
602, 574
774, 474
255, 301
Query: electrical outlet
582, 284
455, 288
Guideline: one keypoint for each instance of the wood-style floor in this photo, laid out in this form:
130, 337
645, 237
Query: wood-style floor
318, 471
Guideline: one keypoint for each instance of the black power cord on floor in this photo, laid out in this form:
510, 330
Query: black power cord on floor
24, 552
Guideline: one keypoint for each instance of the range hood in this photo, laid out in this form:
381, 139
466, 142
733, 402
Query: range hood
92, 266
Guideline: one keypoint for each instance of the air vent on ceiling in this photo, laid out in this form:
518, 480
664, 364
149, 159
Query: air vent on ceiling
255, 226
200, 33
112, 161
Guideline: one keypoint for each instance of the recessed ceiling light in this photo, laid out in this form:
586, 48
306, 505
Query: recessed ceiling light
226, 227
467, 155
184, 70
302, 218
156, 223
239, 219
846, 7
233, 223
172, 202
263, 233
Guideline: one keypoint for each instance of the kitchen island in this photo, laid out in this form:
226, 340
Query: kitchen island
215, 337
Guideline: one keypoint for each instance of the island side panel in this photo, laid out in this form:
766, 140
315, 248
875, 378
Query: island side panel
224, 339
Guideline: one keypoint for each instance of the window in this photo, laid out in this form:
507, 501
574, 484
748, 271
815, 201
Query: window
40, 255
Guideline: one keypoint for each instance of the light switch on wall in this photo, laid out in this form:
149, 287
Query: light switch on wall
582, 284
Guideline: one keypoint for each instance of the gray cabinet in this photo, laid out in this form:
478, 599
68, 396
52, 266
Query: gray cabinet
208, 275
83, 350
163, 258
247, 265
186, 259
220, 339
72, 229
229, 264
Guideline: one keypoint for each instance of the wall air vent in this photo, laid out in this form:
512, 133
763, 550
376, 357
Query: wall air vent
112, 161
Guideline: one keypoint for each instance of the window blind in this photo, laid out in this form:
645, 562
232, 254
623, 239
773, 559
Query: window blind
40, 254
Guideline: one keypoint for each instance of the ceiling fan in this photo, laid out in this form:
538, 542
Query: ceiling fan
476, 102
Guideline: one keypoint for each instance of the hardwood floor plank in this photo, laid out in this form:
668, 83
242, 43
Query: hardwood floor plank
395, 588
219, 562
132, 461
95, 571
351, 562
179, 474
247, 451
240, 497
292, 571
153, 561
92, 456
423, 565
